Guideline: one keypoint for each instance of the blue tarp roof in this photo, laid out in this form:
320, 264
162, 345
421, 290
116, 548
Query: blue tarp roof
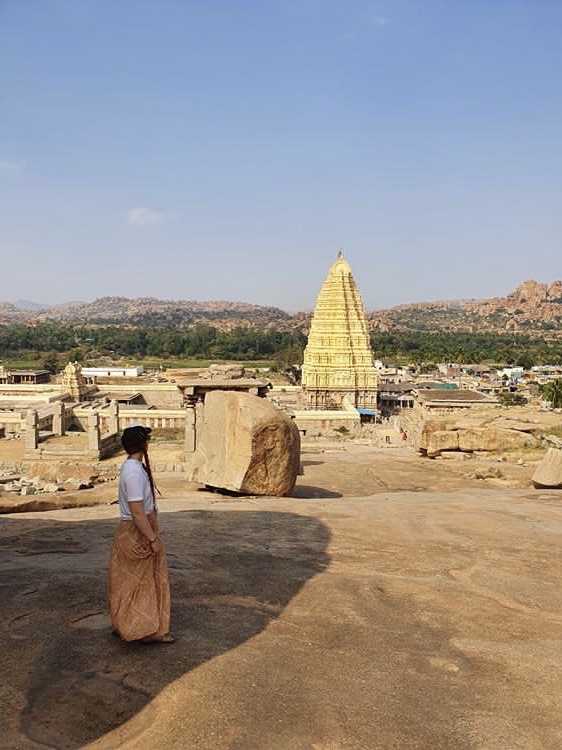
369, 412
438, 386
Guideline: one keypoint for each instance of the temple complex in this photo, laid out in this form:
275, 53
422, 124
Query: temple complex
338, 370
73, 419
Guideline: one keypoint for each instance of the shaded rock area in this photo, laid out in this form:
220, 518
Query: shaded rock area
549, 471
246, 445
232, 574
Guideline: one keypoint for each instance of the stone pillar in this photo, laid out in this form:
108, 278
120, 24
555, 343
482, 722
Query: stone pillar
59, 413
113, 417
94, 433
199, 417
31, 433
190, 430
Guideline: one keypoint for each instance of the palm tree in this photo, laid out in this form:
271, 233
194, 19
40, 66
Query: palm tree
553, 392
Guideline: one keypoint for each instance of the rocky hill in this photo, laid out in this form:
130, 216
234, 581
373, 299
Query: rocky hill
534, 308
148, 311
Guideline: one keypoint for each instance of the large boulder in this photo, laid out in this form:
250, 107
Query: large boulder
492, 439
441, 440
432, 426
549, 471
434, 441
246, 445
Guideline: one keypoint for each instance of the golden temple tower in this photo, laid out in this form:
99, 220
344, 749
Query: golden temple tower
338, 361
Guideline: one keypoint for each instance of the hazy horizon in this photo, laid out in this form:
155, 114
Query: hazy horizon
226, 151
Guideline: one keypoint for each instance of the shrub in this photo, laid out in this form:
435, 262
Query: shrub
512, 399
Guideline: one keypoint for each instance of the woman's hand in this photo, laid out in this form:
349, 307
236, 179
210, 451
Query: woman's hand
156, 545
142, 523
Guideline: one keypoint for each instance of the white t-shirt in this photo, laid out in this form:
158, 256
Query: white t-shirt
134, 485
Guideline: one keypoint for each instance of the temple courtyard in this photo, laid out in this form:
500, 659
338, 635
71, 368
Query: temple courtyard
394, 602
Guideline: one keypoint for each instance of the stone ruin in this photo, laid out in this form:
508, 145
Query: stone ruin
57, 422
261, 445
20, 484
223, 372
74, 383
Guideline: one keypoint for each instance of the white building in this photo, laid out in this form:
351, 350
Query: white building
112, 372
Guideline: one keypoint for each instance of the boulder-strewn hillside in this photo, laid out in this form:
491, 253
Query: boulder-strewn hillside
533, 308
148, 311
9, 313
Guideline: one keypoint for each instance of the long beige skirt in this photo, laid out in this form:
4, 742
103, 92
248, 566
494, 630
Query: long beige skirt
139, 589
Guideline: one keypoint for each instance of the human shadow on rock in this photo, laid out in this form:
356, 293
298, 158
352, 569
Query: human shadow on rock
309, 491
231, 574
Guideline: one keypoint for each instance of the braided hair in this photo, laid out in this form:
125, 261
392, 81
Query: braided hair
146, 465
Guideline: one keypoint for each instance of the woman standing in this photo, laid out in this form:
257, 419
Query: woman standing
139, 590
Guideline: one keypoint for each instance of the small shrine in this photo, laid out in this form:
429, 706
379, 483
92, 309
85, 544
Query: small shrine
73, 382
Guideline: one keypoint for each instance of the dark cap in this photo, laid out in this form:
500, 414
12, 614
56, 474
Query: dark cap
134, 437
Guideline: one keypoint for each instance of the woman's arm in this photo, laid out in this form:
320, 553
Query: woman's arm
143, 524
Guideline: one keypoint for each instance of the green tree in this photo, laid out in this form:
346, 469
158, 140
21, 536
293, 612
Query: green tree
512, 399
76, 355
51, 363
553, 392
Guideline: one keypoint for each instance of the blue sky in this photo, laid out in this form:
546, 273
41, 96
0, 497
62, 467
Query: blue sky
226, 149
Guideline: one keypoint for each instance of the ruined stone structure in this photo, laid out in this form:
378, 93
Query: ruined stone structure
338, 368
25, 377
41, 413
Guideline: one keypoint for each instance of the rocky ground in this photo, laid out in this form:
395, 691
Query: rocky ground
394, 602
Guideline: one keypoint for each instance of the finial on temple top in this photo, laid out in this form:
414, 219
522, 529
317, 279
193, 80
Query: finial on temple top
340, 254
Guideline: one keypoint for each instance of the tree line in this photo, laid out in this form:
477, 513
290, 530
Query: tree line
204, 341
467, 348
201, 341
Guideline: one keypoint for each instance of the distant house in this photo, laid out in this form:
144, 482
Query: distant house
393, 396
478, 371
112, 372
544, 373
433, 399
512, 374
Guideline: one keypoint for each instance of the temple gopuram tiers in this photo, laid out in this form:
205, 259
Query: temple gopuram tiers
338, 361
